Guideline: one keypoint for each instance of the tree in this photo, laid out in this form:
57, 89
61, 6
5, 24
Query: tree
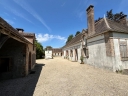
77, 33
110, 14
98, 19
39, 50
69, 38
115, 17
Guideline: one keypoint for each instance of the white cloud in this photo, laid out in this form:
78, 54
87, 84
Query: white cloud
9, 21
15, 12
26, 7
63, 4
6, 13
47, 37
81, 8
20, 15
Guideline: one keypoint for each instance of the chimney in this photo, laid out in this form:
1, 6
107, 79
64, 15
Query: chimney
123, 20
90, 18
20, 30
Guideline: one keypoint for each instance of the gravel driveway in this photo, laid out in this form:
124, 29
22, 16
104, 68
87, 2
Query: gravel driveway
60, 77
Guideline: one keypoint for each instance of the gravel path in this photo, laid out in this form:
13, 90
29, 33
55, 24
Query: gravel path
60, 77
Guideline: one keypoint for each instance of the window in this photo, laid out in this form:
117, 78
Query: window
71, 53
123, 50
86, 52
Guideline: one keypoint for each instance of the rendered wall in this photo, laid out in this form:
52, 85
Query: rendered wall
48, 54
97, 53
118, 64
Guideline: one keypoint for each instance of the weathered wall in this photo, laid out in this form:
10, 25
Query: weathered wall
118, 64
48, 54
73, 47
98, 56
33, 54
16, 51
97, 53
57, 54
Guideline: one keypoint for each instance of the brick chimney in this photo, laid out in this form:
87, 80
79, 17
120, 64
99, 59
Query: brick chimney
123, 20
20, 30
90, 18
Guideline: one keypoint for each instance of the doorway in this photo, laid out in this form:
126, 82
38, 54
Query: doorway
4, 65
76, 55
29, 63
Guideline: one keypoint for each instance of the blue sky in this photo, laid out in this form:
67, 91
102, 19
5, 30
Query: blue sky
54, 20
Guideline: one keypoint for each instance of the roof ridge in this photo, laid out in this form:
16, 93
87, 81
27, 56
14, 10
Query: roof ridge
74, 37
106, 22
98, 21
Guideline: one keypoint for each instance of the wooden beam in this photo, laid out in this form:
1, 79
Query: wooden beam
15, 36
12, 36
3, 40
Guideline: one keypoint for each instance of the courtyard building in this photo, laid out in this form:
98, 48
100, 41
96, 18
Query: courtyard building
72, 50
103, 44
17, 51
57, 52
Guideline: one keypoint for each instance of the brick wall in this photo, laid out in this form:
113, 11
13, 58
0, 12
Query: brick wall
17, 52
109, 44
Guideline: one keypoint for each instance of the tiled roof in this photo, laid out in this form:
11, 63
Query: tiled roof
56, 50
115, 26
105, 25
74, 40
27, 34
100, 26
5, 25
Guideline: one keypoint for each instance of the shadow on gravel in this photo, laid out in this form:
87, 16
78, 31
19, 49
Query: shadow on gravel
22, 86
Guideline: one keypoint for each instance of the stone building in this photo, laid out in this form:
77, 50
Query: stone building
57, 51
72, 50
48, 53
17, 51
32, 49
105, 42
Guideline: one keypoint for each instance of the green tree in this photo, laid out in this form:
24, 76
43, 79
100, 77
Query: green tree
115, 17
69, 38
39, 50
109, 14
77, 33
98, 19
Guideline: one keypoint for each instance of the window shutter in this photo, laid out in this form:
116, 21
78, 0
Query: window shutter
123, 50
87, 52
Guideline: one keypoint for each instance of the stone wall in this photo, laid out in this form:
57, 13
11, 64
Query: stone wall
33, 55
97, 53
109, 44
17, 52
74, 57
